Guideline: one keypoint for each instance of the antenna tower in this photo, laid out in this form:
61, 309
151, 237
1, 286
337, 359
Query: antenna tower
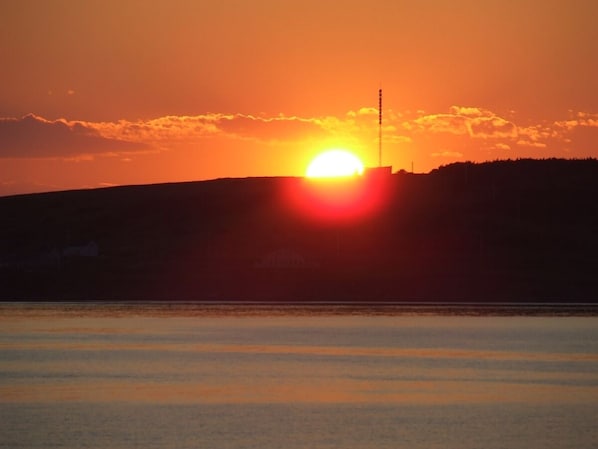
379, 127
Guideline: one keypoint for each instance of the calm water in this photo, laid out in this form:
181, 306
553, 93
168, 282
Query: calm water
185, 376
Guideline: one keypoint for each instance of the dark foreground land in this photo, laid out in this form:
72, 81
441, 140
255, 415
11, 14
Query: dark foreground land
514, 231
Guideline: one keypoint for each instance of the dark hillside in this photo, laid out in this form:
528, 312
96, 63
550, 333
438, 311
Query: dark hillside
502, 231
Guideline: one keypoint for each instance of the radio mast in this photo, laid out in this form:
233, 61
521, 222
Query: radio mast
379, 127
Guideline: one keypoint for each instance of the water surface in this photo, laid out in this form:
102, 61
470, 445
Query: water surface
187, 376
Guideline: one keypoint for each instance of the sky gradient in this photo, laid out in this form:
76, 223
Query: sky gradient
101, 93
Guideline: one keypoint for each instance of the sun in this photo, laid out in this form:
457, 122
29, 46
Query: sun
334, 164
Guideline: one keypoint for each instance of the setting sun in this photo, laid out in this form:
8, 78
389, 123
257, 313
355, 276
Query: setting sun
334, 163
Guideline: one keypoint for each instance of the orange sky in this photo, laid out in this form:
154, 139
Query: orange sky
111, 92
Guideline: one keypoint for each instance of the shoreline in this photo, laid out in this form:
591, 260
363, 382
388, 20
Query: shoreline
253, 308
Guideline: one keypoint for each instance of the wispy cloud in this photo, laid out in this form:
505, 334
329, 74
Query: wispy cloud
448, 154
475, 122
438, 123
580, 120
192, 128
467, 128
260, 128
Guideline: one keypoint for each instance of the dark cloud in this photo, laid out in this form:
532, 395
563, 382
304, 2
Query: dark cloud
34, 137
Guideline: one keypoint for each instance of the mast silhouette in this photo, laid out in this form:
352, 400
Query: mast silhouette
379, 127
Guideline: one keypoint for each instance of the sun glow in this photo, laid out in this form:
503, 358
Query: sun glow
334, 164
334, 190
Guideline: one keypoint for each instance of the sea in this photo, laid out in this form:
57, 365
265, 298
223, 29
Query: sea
198, 375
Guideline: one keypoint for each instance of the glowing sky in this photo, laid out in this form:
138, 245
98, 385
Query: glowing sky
105, 92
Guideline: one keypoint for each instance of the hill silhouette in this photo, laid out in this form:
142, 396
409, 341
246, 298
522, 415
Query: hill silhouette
515, 231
